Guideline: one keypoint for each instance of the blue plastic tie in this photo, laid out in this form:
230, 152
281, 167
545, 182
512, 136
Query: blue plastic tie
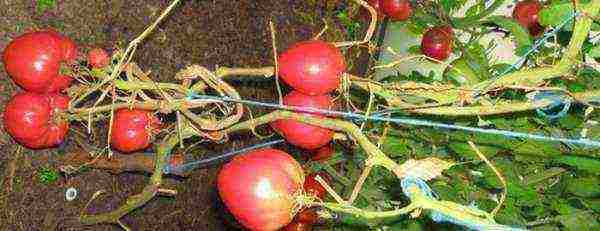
558, 100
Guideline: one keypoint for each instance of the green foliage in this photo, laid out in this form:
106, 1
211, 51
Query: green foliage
42, 5
521, 35
47, 175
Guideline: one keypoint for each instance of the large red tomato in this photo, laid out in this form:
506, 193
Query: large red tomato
526, 13
132, 130
397, 10
301, 134
312, 67
33, 60
34, 119
259, 188
437, 42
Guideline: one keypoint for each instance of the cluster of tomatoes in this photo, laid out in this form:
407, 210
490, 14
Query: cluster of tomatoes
261, 188
39, 62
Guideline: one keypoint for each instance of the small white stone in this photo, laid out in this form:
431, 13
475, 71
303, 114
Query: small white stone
71, 194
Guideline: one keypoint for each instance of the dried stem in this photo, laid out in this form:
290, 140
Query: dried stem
498, 174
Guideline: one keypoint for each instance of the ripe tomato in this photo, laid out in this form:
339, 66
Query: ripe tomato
132, 130
437, 42
34, 119
301, 134
259, 188
397, 10
312, 67
526, 13
323, 153
33, 60
98, 58
312, 186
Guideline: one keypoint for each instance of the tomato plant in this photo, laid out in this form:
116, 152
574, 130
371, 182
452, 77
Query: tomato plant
132, 130
259, 188
312, 67
36, 120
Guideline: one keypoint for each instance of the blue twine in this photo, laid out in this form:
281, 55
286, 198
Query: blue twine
406, 121
558, 99
193, 164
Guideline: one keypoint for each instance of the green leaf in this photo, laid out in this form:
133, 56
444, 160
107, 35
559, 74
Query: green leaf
522, 37
555, 15
584, 187
581, 220
583, 163
595, 52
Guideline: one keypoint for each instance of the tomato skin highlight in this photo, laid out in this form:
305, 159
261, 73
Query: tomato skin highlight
98, 58
259, 187
132, 130
526, 13
300, 134
437, 42
397, 10
32, 119
312, 67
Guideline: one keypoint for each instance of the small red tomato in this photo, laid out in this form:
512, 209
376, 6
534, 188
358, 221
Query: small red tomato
34, 119
308, 216
132, 130
312, 186
33, 60
312, 67
526, 13
301, 134
98, 58
259, 188
397, 10
323, 153
437, 42
298, 226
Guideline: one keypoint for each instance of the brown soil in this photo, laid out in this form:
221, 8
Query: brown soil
210, 33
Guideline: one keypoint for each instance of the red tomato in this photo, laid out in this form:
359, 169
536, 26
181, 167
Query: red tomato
33, 60
259, 188
98, 58
323, 153
526, 13
397, 10
298, 226
34, 119
301, 134
67, 47
312, 186
437, 42
132, 130
312, 67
